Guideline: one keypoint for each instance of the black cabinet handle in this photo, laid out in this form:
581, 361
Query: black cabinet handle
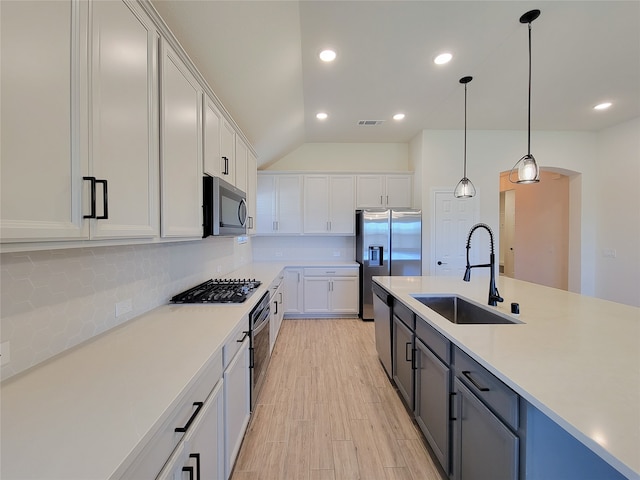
190, 470
245, 335
408, 344
276, 305
197, 457
93, 197
467, 374
105, 201
251, 357
226, 166
198, 406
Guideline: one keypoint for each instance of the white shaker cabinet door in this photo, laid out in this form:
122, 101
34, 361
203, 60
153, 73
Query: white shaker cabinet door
44, 120
211, 140
228, 152
370, 191
241, 164
316, 204
124, 120
344, 294
252, 186
342, 205
181, 158
289, 204
398, 190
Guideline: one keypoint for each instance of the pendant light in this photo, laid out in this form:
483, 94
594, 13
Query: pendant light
528, 171
465, 188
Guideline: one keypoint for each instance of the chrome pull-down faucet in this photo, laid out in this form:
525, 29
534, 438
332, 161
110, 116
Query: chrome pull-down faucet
494, 295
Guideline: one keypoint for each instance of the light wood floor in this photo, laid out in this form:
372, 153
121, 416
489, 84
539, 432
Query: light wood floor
328, 412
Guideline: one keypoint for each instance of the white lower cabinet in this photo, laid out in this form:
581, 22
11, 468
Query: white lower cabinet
200, 455
237, 402
293, 291
194, 423
276, 292
331, 290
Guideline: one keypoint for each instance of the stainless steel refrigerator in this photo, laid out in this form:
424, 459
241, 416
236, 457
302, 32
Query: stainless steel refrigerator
388, 242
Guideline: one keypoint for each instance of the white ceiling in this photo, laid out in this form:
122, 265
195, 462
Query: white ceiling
260, 57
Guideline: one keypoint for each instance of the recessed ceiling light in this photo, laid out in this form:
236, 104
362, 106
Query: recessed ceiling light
442, 58
398, 116
602, 106
327, 55
322, 116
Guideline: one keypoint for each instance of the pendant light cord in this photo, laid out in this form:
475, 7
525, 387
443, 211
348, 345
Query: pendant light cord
465, 131
529, 106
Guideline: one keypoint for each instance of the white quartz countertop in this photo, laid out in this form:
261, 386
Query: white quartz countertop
575, 358
87, 413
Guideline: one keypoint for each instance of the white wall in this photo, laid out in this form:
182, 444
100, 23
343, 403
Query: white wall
618, 213
346, 157
491, 152
55, 299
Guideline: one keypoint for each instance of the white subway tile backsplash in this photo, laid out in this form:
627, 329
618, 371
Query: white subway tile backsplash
53, 300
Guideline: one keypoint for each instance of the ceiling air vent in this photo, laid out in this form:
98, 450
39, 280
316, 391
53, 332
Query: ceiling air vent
370, 123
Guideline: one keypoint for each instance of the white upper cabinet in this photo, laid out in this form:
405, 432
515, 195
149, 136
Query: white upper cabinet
181, 158
329, 204
242, 151
227, 152
394, 190
252, 185
43, 121
213, 163
279, 209
124, 119
47, 123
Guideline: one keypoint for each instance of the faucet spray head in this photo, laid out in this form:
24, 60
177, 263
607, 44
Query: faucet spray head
467, 274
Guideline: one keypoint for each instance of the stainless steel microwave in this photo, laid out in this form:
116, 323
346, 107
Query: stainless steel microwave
224, 208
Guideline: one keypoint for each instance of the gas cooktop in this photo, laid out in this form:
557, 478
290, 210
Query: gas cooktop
225, 290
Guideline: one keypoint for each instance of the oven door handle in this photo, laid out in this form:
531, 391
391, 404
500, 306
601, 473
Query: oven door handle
261, 323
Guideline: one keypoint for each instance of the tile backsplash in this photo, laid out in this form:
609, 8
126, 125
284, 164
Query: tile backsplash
55, 299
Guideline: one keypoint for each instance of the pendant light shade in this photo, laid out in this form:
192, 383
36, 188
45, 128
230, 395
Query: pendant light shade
464, 188
526, 167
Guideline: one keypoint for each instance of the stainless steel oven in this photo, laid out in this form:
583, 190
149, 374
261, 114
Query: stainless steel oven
259, 350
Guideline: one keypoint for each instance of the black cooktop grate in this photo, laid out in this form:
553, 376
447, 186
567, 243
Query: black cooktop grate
218, 291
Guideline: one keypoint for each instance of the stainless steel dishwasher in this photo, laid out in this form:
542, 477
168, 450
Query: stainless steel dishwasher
382, 303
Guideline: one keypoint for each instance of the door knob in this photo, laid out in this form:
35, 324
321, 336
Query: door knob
441, 263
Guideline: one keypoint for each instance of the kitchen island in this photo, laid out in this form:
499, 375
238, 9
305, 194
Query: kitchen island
574, 358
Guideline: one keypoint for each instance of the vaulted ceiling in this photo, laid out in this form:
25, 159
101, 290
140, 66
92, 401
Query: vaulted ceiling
261, 59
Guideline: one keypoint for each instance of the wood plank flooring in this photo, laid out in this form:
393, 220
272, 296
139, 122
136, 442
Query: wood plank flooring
328, 412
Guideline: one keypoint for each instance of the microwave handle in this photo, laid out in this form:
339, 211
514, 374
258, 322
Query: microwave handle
242, 212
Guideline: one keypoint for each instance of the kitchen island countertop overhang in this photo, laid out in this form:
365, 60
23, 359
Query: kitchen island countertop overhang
573, 357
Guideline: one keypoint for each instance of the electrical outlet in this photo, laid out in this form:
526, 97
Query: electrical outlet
609, 252
219, 269
279, 253
5, 353
336, 253
124, 306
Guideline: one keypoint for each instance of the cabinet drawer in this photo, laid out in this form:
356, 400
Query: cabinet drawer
157, 451
331, 272
235, 342
404, 313
496, 395
434, 340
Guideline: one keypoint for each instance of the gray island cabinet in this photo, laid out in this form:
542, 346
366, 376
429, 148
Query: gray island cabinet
466, 385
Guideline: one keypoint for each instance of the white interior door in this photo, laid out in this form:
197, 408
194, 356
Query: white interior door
453, 218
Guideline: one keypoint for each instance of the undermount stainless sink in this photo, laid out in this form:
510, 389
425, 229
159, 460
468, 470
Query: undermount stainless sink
459, 310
